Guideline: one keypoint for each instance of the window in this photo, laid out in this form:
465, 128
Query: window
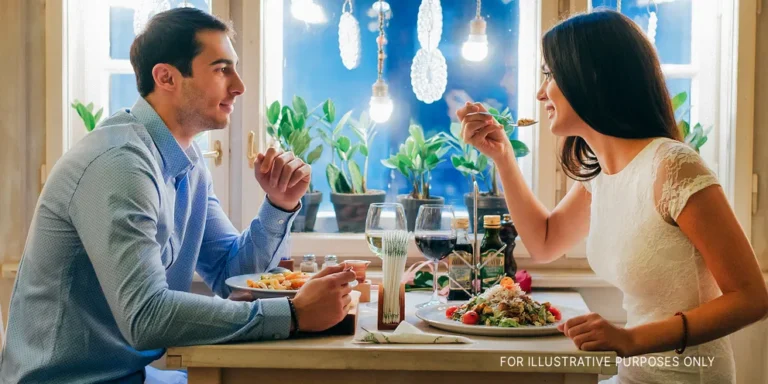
310, 67
99, 35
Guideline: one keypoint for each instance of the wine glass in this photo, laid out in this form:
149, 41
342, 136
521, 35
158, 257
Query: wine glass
435, 237
383, 217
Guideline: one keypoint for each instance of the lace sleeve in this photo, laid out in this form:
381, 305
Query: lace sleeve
679, 173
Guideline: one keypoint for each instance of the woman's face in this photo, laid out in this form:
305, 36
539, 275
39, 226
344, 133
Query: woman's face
563, 119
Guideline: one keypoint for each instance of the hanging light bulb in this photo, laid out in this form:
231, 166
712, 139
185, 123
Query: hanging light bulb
380, 105
476, 46
308, 12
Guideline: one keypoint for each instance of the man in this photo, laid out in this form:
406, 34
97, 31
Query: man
128, 214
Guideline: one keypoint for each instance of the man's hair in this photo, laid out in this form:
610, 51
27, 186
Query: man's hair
170, 38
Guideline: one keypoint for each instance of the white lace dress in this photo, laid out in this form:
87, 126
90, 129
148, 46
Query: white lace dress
634, 244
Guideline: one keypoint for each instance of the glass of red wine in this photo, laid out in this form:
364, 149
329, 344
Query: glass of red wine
435, 237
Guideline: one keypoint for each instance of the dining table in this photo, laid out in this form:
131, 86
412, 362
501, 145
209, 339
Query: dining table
341, 359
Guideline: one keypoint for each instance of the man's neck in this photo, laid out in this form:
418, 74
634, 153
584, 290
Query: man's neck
183, 136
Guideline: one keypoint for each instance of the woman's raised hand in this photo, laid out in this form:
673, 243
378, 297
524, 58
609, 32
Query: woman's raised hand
483, 132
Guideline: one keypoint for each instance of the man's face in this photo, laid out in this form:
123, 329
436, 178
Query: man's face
207, 97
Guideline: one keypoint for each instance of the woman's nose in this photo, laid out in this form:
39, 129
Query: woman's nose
541, 95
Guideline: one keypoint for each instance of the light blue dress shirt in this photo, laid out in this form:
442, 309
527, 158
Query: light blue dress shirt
125, 218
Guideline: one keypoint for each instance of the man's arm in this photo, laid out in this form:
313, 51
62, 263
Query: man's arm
226, 252
115, 209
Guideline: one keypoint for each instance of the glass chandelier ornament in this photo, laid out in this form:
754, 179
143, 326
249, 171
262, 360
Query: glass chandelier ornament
144, 11
349, 37
380, 105
653, 22
476, 46
429, 72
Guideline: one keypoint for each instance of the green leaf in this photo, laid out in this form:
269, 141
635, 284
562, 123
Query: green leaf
364, 150
356, 176
482, 162
390, 163
336, 179
90, 107
442, 281
271, 131
520, 148
98, 115
315, 154
417, 133
684, 128
300, 107
329, 111
286, 127
299, 142
405, 160
326, 138
352, 150
342, 143
679, 100
273, 113
431, 161
298, 121
341, 123
357, 131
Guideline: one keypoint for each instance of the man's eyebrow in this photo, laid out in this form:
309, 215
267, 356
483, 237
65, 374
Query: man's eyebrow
223, 61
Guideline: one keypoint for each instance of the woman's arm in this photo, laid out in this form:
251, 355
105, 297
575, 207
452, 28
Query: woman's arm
547, 235
708, 221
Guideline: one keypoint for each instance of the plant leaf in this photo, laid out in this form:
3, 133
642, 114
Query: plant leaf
315, 154
356, 176
341, 123
271, 131
417, 133
89, 107
352, 150
684, 128
679, 100
329, 111
364, 150
273, 113
390, 163
343, 144
98, 115
326, 138
520, 148
336, 180
300, 107
482, 162
431, 162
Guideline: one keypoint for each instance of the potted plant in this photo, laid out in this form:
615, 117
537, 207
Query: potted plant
86, 114
416, 158
694, 138
477, 166
350, 195
291, 128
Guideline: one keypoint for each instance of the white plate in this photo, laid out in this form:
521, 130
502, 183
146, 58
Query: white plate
239, 283
435, 316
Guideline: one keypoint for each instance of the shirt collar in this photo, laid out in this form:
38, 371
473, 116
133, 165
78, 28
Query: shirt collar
176, 161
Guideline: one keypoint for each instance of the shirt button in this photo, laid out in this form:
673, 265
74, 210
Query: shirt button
281, 221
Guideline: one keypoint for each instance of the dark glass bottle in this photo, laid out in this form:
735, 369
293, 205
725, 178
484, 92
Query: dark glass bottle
460, 262
493, 267
508, 235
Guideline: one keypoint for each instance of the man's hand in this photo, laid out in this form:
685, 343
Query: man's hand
320, 303
283, 176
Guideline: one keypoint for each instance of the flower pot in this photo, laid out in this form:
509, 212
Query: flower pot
305, 220
486, 205
412, 205
352, 209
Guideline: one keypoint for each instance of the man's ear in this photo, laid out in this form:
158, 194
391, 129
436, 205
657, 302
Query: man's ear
166, 77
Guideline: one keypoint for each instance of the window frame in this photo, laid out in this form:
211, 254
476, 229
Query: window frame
91, 78
251, 51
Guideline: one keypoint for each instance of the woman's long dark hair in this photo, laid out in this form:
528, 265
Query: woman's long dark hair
610, 74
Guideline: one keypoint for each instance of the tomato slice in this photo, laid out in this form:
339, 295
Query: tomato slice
450, 311
555, 312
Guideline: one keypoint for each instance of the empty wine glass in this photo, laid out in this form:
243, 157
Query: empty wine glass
436, 238
383, 217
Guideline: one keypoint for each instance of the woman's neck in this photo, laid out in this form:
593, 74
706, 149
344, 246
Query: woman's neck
615, 153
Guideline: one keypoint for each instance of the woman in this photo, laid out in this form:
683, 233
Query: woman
657, 223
